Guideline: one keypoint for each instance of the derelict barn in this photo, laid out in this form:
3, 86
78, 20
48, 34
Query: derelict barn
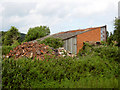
73, 40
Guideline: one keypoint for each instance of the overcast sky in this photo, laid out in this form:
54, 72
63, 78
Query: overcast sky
58, 15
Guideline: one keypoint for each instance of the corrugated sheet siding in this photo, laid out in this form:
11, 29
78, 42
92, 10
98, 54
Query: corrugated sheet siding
74, 45
71, 45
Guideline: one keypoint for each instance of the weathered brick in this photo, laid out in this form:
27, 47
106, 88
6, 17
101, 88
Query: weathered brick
93, 35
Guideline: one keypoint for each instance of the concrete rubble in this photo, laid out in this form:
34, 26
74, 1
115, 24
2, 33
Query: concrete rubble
35, 50
64, 52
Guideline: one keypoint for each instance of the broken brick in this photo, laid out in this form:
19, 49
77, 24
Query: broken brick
34, 49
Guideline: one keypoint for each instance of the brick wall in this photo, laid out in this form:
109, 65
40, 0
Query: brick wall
94, 35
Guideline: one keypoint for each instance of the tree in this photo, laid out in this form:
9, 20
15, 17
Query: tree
11, 35
107, 34
22, 37
116, 34
37, 32
2, 37
110, 39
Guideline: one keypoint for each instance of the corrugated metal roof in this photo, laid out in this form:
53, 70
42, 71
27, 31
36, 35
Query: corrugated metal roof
63, 36
69, 34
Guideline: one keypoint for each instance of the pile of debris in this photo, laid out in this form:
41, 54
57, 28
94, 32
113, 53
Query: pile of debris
35, 50
31, 50
64, 52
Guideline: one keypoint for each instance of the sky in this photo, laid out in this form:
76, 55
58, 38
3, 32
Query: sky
58, 15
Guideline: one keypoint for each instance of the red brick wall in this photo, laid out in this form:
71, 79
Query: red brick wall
94, 35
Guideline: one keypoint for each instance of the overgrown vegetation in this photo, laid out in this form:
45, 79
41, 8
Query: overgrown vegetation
11, 36
116, 34
83, 72
6, 49
93, 68
52, 42
104, 51
117, 31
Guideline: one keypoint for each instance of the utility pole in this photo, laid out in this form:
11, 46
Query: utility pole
119, 9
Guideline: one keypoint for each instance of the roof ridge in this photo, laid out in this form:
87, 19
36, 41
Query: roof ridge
80, 29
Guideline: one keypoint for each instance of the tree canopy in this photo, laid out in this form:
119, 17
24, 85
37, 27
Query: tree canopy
2, 37
11, 36
116, 35
37, 32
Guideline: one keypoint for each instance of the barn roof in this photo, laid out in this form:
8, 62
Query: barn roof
69, 34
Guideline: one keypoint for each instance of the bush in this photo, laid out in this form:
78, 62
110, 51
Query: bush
111, 53
104, 51
27, 73
86, 49
6, 49
15, 43
53, 42
104, 43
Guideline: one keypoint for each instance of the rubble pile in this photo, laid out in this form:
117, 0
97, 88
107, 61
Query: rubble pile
35, 50
64, 52
31, 50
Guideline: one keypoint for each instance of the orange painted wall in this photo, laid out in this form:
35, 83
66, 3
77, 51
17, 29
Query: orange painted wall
94, 35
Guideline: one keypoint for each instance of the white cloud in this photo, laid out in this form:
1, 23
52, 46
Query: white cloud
1, 8
56, 13
1, 14
14, 19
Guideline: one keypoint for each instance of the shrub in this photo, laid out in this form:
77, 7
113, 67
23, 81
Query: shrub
6, 49
15, 43
86, 49
27, 73
53, 42
108, 52
104, 43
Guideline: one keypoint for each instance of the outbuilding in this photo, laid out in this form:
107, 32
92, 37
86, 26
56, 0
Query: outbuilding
73, 39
